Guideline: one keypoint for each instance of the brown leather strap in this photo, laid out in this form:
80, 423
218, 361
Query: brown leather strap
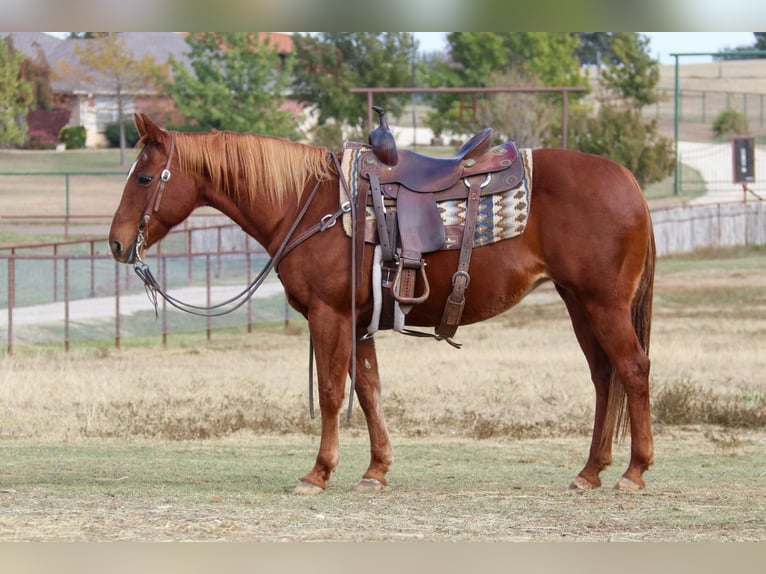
453, 309
381, 218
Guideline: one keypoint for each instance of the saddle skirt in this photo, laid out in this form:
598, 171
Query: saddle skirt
503, 207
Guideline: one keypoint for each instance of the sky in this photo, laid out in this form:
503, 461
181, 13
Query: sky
662, 44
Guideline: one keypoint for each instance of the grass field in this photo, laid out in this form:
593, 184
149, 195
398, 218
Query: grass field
204, 441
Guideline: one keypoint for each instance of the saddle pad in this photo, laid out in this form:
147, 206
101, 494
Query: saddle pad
500, 216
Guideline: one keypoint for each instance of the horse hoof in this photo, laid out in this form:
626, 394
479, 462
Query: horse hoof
368, 485
628, 485
307, 488
579, 483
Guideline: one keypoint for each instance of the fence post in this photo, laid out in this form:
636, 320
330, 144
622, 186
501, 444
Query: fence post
55, 271
164, 271
92, 268
207, 273
116, 305
219, 240
189, 253
249, 266
66, 217
11, 298
66, 304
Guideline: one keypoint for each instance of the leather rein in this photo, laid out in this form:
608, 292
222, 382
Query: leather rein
152, 285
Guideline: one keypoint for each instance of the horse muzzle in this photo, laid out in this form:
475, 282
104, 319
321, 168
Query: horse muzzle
124, 254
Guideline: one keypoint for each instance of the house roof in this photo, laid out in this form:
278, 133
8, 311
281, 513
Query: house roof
61, 53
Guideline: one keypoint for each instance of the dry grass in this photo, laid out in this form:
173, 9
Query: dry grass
520, 375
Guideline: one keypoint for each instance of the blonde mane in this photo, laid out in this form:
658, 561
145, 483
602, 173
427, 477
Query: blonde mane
246, 166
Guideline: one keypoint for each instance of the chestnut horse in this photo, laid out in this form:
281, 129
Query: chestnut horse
589, 232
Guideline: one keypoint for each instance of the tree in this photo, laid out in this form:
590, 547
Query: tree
237, 83
15, 96
617, 130
594, 47
632, 74
521, 117
38, 73
478, 59
330, 63
108, 62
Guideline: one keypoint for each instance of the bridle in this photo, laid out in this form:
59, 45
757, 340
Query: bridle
153, 204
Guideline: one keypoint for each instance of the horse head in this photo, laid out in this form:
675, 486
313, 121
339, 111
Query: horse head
156, 197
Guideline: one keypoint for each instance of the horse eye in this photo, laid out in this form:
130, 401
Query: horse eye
145, 179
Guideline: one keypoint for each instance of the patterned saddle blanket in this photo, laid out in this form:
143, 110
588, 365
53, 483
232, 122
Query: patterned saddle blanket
501, 215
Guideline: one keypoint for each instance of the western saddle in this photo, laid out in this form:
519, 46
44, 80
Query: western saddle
403, 189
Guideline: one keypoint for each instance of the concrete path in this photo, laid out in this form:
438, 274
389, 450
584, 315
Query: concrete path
105, 307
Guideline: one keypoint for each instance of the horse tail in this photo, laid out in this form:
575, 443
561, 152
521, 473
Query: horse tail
617, 418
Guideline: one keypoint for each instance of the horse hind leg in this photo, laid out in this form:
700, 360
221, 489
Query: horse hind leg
600, 454
368, 392
613, 326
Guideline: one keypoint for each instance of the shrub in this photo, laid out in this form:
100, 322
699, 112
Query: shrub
684, 403
73, 136
112, 134
730, 122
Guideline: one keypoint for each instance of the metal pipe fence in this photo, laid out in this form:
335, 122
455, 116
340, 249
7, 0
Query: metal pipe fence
74, 291
63, 293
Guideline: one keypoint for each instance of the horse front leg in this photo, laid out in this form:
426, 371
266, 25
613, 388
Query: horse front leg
331, 334
368, 392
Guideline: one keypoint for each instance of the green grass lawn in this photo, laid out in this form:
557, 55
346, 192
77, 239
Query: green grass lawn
71, 160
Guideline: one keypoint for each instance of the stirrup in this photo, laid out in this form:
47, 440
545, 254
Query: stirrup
396, 286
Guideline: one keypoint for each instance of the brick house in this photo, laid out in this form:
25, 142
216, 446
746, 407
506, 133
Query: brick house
92, 105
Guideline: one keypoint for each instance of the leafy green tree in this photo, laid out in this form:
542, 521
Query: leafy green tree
330, 63
632, 74
551, 57
478, 59
38, 73
15, 96
593, 48
617, 130
237, 82
107, 60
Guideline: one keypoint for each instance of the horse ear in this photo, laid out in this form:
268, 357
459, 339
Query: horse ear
149, 130
139, 118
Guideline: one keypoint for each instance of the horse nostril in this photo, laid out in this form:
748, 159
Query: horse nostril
116, 248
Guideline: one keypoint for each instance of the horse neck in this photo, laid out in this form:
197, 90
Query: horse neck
262, 220
266, 182
268, 220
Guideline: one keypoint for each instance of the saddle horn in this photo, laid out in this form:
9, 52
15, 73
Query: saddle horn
382, 140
